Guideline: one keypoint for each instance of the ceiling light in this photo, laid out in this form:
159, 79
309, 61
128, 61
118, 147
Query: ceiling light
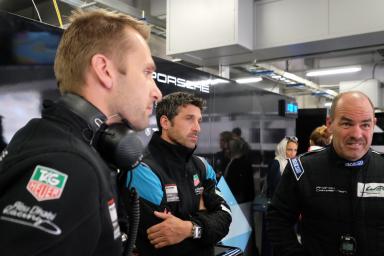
218, 81
277, 77
249, 80
296, 85
333, 71
291, 80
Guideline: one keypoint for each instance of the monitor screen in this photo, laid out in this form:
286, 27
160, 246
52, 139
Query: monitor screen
25, 41
288, 108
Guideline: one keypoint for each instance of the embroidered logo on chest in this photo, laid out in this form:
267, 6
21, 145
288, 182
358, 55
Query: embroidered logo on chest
327, 189
196, 182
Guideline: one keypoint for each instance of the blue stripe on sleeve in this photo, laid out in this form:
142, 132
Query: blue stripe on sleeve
147, 184
210, 173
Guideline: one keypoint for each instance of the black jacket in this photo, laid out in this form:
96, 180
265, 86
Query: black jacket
335, 198
273, 177
239, 177
173, 166
220, 162
56, 193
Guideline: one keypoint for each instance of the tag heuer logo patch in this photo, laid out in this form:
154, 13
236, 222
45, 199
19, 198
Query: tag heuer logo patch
196, 180
46, 183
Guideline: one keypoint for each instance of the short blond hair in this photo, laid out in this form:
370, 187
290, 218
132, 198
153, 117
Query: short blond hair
88, 34
320, 136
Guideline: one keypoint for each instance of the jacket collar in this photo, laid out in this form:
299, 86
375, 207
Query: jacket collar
59, 113
176, 151
347, 163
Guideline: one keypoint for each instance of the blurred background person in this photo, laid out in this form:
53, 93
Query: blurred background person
287, 148
237, 134
319, 138
239, 173
222, 157
239, 176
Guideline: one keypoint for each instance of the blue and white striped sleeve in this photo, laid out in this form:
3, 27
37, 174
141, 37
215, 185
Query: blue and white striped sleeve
146, 183
210, 173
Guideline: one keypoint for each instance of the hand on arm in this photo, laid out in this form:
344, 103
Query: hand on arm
171, 230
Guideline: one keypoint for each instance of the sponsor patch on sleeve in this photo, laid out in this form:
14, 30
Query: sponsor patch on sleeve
31, 216
46, 183
297, 168
114, 218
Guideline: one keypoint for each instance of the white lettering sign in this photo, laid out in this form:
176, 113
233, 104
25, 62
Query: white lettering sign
201, 85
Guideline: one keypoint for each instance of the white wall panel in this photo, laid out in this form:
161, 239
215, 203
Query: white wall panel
349, 17
290, 21
212, 32
205, 24
372, 88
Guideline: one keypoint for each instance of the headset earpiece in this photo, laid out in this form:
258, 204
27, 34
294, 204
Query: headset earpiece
120, 146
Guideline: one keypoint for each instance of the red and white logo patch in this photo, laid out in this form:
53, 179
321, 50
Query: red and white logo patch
46, 183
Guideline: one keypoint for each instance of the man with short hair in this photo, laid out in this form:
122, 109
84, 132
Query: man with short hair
338, 191
237, 134
57, 193
182, 212
222, 157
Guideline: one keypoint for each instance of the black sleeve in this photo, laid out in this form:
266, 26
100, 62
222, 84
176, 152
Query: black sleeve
40, 216
216, 220
283, 214
273, 178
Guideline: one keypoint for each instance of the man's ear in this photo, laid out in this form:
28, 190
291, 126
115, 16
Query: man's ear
164, 122
101, 66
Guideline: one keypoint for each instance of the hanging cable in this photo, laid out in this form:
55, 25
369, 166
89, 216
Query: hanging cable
37, 11
57, 13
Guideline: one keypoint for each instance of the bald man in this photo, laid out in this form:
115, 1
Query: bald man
338, 191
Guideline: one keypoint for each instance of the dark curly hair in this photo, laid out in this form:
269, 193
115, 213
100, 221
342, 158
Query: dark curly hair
169, 105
